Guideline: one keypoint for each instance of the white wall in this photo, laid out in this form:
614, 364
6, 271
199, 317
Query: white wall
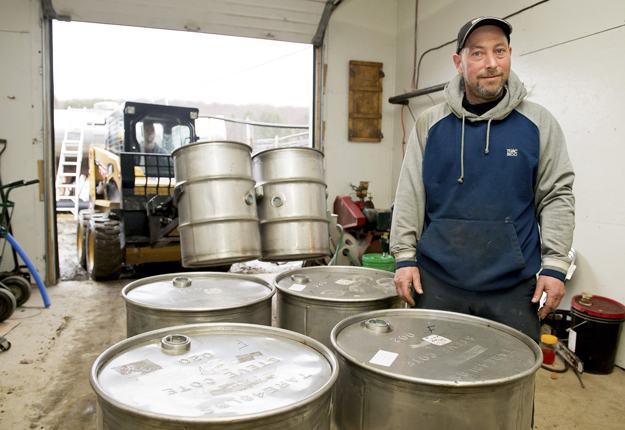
361, 30
21, 121
578, 76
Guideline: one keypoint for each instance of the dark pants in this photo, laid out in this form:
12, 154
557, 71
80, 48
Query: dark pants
511, 306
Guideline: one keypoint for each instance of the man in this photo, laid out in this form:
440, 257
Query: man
153, 166
149, 134
482, 173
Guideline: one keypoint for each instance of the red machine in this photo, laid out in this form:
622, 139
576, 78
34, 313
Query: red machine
349, 213
360, 219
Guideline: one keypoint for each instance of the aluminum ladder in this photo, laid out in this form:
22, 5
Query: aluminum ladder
68, 172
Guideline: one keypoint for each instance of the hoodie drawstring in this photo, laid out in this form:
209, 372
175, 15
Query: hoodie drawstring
487, 136
461, 178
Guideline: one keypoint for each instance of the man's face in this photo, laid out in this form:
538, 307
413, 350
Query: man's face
485, 64
148, 135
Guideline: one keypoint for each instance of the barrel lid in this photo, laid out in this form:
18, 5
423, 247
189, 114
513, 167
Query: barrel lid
183, 148
337, 283
436, 348
212, 372
197, 291
598, 306
260, 154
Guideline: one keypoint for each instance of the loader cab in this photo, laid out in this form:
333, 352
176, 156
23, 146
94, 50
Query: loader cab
144, 135
160, 133
173, 127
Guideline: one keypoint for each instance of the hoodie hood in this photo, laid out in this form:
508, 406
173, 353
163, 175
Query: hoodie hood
454, 93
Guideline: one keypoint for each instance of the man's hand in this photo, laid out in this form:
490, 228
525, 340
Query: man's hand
554, 289
403, 278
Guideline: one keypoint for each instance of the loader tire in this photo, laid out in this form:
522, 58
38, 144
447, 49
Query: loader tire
104, 254
82, 227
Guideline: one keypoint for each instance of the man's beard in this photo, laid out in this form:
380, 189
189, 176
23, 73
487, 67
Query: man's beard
486, 93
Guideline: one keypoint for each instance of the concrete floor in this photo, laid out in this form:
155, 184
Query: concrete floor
44, 377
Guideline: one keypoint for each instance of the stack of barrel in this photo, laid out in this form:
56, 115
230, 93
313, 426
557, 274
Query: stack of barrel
201, 352
234, 207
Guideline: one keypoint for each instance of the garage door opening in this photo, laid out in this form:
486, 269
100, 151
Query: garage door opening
259, 92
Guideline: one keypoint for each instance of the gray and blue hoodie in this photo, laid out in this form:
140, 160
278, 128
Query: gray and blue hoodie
485, 202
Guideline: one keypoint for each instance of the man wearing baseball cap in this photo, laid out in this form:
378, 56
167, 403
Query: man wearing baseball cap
484, 201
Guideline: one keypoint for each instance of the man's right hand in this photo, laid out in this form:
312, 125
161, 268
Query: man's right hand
403, 278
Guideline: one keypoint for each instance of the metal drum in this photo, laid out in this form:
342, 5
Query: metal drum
218, 220
432, 370
313, 300
291, 204
191, 298
215, 376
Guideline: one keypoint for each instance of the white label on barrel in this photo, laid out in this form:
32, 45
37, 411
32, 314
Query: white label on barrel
572, 339
297, 287
436, 340
344, 282
383, 358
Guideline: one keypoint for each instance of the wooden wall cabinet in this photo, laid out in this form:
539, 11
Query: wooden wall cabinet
365, 101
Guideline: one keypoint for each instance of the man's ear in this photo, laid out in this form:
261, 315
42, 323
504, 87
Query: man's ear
458, 63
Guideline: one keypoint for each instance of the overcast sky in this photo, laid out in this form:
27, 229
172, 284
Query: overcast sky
116, 62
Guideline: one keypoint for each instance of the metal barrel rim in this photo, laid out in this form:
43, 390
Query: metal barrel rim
296, 219
213, 143
195, 275
308, 180
187, 182
221, 220
111, 352
450, 316
290, 149
324, 300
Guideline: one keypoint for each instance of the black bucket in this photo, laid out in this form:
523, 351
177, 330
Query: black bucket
596, 324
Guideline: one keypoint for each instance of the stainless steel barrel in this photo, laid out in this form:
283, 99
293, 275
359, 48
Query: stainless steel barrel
291, 196
313, 300
191, 298
216, 376
218, 220
432, 370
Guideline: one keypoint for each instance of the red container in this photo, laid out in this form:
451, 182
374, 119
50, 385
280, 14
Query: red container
549, 356
547, 346
596, 324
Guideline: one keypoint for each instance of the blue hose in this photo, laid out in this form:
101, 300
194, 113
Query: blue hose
31, 267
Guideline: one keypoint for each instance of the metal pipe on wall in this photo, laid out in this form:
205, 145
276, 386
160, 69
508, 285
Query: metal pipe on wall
403, 98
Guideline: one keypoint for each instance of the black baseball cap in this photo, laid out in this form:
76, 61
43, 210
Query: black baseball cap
468, 28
